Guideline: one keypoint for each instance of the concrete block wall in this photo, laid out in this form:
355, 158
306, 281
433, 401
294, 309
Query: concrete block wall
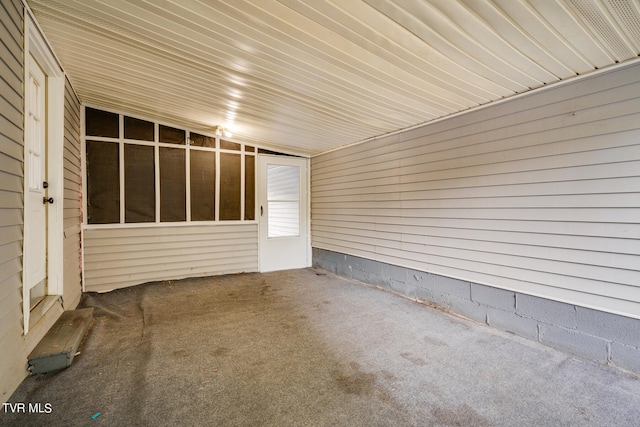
591, 334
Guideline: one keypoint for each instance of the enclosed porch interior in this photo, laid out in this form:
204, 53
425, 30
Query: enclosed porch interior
478, 159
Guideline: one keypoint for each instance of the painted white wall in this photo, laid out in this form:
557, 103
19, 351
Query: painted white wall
539, 194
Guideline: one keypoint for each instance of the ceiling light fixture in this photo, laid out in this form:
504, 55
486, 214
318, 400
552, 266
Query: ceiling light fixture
220, 131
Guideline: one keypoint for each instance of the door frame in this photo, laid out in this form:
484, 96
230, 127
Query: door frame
261, 199
36, 45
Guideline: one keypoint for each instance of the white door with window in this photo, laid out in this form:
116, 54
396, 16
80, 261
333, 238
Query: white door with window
43, 178
283, 213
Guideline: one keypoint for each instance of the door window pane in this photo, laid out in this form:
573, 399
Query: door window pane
229, 187
284, 219
203, 185
139, 184
173, 182
283, 200
103, 183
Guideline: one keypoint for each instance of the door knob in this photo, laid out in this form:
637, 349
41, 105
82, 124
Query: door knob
49, 200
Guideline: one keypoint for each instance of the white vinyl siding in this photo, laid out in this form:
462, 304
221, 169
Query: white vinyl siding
125, 256
72, 286
539, 194
12, 351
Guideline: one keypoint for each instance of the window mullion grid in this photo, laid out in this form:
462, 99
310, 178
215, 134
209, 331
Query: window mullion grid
242, 182
121, 165
217, 201
156, 161
187, 171
157, 145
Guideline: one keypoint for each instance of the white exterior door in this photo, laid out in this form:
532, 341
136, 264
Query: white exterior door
283, 213
35, 227
43, 248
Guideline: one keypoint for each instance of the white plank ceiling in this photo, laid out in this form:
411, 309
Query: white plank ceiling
308, 76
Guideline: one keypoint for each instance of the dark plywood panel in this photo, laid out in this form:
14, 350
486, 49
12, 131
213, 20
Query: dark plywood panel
229, 186
198, 140
173, 182
249, 188
228, 145
101, 123
103, 182
141, 130
203, 185
172, 135
139, 183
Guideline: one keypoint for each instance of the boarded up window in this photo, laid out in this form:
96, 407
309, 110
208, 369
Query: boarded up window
249, 188
173, 182
141, 130
202, 140
139, 184
103, 182
203, 185
145, 175
172, 135
229, 187
101, 123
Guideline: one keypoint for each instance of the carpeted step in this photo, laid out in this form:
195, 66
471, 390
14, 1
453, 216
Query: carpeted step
58, 347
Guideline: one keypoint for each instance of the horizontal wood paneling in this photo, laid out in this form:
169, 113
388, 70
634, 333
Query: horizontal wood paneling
120, 257
540, 195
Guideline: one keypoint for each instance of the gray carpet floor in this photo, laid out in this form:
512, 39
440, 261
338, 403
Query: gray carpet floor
305, 348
